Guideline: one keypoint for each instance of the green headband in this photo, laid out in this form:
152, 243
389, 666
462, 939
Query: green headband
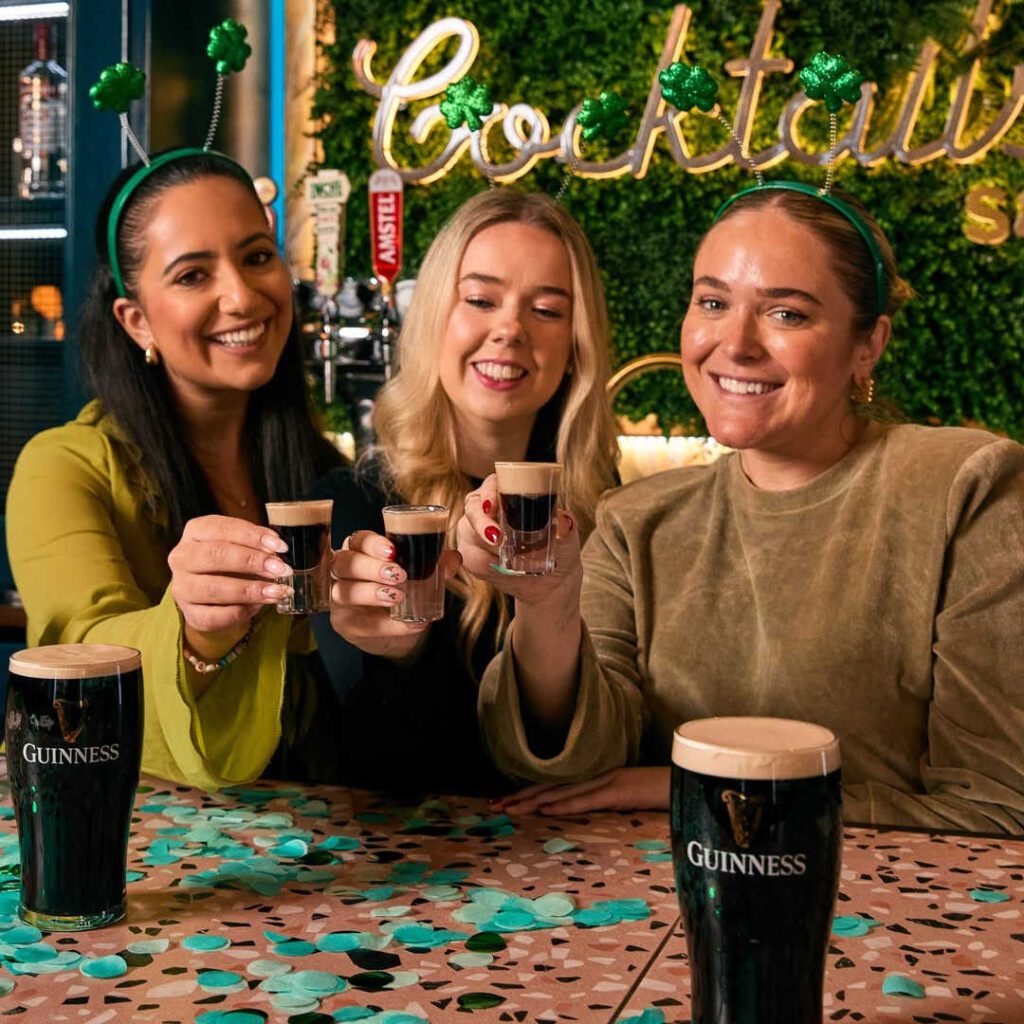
121, 83
129, 187
838, 205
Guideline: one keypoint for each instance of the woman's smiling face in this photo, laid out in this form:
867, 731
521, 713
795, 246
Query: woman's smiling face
508, 339
768, 344
213, 294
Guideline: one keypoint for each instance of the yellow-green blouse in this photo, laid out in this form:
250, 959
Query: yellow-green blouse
87, 544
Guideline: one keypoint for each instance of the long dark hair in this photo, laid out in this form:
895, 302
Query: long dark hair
286, 450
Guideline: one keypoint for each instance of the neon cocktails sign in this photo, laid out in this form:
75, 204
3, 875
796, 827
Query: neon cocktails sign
528, 134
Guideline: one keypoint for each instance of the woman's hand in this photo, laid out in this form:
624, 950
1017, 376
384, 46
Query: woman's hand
479, 538
367, 584
222, 573
545, 634
621, 789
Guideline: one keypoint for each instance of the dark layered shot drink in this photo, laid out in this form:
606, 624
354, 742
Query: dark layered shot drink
73, 729
528, 496
305, 526
756, 845
418, 534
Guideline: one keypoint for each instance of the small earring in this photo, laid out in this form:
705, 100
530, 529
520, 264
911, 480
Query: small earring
863, 392
152, 355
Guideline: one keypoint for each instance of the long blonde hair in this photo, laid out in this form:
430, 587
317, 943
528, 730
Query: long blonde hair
416, 453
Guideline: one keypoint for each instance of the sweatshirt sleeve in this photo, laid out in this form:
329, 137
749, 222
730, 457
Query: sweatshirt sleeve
79, 585
610, 716
973, 772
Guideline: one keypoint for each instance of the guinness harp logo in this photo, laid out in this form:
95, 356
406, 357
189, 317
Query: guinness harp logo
744, 815
65, 717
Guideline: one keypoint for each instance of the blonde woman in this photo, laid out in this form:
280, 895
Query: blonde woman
504, 356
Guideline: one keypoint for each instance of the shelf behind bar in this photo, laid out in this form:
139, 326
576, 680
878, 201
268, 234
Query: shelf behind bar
35, 340
22, 11
16, 213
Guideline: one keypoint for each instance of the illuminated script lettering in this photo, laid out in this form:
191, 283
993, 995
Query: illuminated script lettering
528, 134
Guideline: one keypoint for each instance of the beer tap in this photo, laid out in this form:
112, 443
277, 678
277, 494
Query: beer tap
386, 248
353, 323
326, 348
328, 192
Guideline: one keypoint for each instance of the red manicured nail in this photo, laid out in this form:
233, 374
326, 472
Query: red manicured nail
486, 507
493, 534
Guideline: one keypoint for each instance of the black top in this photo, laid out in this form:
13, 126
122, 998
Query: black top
373, 724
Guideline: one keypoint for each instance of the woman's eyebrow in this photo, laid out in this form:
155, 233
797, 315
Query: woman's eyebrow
544, 289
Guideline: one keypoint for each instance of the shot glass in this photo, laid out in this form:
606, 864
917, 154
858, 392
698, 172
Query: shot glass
305, 526
417, 533
528, 494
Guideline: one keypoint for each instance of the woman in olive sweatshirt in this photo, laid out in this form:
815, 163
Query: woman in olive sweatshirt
862, 575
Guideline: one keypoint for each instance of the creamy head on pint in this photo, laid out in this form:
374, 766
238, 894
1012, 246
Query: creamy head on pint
415, 519
299, 513
755, 748
528, 477
75, 661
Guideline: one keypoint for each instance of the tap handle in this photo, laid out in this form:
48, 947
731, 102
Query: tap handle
328, 381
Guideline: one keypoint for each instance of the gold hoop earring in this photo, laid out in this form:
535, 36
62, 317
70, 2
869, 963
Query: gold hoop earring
863, 392
152, 355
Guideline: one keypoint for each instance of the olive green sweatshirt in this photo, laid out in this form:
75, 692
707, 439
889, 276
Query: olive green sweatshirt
885, 600
87, 541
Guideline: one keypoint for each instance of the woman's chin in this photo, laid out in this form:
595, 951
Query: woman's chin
734, 435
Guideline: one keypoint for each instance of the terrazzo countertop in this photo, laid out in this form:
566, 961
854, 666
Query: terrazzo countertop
312, 905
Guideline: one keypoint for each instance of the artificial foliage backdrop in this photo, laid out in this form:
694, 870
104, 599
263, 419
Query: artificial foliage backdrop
958, 351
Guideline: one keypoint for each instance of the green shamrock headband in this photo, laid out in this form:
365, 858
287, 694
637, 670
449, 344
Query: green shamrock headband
827, 77
838, 205
120, 84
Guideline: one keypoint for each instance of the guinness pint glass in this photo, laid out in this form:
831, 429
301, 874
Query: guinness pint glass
74, 745
305, 526
756, 844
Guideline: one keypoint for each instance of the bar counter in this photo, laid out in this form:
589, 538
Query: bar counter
284, 903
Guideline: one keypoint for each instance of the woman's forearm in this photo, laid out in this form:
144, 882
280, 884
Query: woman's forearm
546, 647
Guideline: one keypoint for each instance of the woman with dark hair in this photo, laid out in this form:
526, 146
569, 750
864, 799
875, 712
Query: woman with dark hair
864, 575
142, 522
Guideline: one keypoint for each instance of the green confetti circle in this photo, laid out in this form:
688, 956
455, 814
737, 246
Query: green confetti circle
901, 985
480, 1000
220, 979
204, 943
104, 967
485, 942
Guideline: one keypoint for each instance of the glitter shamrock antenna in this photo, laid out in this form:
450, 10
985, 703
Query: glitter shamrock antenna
115, 89
467, 102
831, 79
688, 87
229, 50
603, 116
119, 84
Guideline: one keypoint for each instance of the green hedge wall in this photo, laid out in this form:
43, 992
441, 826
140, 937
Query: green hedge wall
958, 350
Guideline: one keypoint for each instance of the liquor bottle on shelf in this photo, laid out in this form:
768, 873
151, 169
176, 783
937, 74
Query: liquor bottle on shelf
40, 162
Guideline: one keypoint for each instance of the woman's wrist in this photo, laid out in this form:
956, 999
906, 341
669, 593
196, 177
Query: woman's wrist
212, 646
206, 667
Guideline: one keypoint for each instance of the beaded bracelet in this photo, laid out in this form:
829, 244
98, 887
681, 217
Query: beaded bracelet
206, 667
